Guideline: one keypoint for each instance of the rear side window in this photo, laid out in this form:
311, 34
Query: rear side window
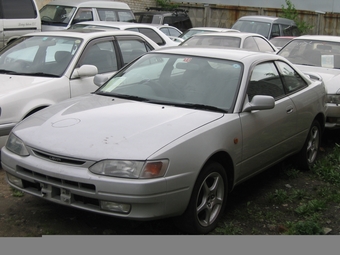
290, 30
18, 9
151, 34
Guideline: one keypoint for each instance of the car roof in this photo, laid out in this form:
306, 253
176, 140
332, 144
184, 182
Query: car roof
212, 28
331, 38
88, 34
224, 53
267, 19
231, 34
121, 24
82, 3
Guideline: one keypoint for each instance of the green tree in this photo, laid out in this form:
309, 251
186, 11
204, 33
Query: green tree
166, 4
290, 12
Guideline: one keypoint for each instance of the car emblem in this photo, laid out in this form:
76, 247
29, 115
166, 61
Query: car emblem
54, 158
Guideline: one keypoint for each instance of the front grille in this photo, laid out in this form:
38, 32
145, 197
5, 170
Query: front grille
59, 159
56, 181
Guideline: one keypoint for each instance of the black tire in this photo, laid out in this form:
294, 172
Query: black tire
308, 154
207, 202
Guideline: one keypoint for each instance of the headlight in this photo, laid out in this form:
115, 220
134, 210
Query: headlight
15, 145
130, 169
333, 99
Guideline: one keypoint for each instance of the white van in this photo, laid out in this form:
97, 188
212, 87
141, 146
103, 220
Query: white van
17, 18
61, 14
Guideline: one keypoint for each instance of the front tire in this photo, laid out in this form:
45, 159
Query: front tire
308, 154
207, 202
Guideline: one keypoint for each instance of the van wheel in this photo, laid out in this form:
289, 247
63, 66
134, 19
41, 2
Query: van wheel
308, 154
207, 203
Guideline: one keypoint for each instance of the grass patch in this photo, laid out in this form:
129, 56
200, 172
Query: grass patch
16, 193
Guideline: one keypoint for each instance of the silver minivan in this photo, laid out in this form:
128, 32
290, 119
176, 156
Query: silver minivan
17, 18
268, 26
61, 14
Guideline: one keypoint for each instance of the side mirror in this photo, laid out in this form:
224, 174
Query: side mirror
100, 79
260, 102
84, 71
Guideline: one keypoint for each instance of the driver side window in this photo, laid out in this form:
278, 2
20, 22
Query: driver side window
265, 80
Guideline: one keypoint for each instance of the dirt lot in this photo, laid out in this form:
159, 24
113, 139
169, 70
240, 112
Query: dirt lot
29, 216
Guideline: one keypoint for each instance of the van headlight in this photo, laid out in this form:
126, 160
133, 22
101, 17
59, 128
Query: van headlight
130, 168
16, 145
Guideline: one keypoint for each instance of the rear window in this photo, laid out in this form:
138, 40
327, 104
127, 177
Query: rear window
18, 9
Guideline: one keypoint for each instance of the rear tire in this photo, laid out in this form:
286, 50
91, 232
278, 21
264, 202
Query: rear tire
308, 154
207, 202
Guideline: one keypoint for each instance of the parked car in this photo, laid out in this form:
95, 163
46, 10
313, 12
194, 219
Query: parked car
249, 41
169, 135
41, 69
196, 30
178, 18
62, 14
319, 54
268, 26
151, 31
281, 41
15, 22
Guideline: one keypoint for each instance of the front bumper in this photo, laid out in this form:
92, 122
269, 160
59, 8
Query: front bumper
76, 186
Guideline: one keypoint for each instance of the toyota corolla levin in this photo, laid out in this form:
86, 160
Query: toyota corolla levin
169, 135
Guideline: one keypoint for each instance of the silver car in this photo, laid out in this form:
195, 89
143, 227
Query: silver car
169, 135
319, 54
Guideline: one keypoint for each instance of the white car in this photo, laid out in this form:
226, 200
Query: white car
41, 69
197, 30
171, 134
248, 41
319, 54
151, 31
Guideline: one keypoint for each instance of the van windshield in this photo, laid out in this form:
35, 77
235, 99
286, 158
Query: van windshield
261, 28
56, 15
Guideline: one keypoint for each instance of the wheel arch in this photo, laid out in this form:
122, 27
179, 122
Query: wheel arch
225, 160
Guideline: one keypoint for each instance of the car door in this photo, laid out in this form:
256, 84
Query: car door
101, 53
266, 133
2, 43
108, 55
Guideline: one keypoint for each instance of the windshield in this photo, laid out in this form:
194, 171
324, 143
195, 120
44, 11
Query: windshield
257, 27
313, 53
56, 15
39, 55
221, 41
183, 81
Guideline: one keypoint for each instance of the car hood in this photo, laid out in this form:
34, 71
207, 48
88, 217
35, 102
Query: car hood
331, 77
96, 127
12, 83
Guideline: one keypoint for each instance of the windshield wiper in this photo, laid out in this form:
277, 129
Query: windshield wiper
40, 74
204, 107
191, 105
28, 74
7, 71
131, 97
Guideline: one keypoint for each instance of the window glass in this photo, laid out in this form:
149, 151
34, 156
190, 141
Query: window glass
107, 14
102, 55
263, 45
292, 80
275, 30
15, 9
250, 44
265, 80
174, 32
83, 14
56, 14
152, 35
132, 49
